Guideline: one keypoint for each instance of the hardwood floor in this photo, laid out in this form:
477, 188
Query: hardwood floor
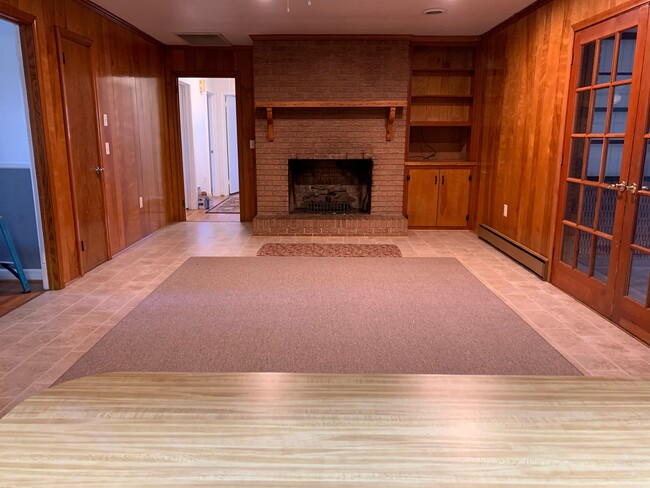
269, 429
12, 296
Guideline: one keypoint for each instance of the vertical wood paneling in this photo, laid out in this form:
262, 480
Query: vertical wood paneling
525, 68
130, 79
213, 63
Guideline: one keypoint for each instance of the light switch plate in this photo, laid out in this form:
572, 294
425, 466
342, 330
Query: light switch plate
141, 200
108, 149
105, 120
505, 210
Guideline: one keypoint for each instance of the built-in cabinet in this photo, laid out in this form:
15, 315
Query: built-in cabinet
438, 197
440, 153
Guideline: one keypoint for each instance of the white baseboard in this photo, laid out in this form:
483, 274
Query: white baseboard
31, 274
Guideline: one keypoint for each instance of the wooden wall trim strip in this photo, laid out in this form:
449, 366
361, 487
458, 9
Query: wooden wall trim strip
329, 37
516, 17
118, 20
446, 40
13, 14
601, 17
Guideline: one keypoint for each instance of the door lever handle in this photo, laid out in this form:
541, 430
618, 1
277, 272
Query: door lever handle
622, 186
99, 170
632, 188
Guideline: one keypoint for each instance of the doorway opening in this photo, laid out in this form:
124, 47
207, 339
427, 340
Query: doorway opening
19, 198
208, 120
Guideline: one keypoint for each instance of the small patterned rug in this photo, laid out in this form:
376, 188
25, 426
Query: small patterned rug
229, 206
331, 250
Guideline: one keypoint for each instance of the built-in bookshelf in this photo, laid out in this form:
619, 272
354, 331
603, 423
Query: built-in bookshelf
441, 102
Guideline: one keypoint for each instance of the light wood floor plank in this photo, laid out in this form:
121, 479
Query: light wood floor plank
157, 429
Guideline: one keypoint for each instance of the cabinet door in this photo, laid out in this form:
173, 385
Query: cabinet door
453, 203
423, 197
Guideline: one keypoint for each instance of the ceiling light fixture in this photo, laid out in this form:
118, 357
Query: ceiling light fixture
434, 11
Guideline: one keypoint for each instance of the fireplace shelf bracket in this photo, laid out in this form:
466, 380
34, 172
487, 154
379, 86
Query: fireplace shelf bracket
391, 105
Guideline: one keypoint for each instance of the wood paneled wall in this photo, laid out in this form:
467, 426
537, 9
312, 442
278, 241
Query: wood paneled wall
526, 69
130, 80
235, 62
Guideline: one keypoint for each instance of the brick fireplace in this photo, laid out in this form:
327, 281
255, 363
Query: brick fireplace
338, 71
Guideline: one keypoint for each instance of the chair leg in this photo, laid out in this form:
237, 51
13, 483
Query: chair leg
18, 272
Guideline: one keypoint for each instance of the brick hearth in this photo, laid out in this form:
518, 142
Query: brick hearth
354, 70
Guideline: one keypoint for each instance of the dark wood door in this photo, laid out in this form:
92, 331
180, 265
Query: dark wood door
422, 197
86, 172
597, 212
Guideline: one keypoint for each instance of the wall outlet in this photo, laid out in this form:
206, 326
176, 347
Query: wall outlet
141, 200
505, 210
252, 143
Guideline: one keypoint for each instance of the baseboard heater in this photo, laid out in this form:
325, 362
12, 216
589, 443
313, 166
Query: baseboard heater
530, 259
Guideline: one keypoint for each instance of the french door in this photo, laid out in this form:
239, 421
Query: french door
602, 251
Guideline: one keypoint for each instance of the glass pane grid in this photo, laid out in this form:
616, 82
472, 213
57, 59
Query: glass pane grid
639, 278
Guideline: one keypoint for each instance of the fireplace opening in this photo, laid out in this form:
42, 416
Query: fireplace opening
328, 186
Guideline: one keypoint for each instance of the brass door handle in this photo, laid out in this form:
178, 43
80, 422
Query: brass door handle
622, 186
632, 188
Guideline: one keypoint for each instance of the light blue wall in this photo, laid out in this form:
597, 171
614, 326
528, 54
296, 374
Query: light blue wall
14, 139
16, 192
17, 209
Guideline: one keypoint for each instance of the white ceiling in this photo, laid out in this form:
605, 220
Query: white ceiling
237, 19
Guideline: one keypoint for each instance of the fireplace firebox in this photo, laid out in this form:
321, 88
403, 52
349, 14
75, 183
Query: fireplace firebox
330, 186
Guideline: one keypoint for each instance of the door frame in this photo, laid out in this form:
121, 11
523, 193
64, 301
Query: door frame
33, 82
174, 115
60, 34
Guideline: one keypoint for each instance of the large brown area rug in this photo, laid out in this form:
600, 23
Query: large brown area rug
331, 250
314, 315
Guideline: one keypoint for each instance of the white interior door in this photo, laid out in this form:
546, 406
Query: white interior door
233, 151
191, 196
214, 173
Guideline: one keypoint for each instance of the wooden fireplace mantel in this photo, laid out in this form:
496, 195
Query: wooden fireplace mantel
391, 105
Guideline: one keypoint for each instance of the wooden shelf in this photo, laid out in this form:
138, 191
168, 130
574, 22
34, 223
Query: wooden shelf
331, 104
438, 71
424, 98
434, 162
440, 123
391, 105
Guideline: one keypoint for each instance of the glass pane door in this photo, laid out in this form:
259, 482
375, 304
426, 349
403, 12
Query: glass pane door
598, 150
632, 301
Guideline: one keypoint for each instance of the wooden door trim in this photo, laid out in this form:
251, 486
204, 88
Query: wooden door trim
28, 34
242, 146
62, 33
12, 14
609, 14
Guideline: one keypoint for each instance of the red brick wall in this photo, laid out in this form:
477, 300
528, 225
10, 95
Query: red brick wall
330, 70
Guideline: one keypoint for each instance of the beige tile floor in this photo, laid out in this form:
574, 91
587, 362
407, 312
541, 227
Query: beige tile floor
42, 339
